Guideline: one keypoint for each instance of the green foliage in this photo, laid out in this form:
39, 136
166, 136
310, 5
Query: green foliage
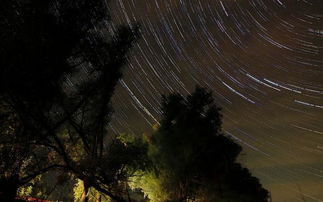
93, 194
150, 184
27, 189
78, 190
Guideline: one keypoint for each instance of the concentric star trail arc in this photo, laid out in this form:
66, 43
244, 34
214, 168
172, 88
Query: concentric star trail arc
263, 60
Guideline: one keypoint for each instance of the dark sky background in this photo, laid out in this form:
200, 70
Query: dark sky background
263, 60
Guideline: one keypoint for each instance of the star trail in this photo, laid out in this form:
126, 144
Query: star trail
263, 61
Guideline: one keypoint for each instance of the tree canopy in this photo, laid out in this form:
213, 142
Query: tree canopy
193, 159
59, 64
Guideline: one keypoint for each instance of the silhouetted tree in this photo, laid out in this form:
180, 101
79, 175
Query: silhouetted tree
59, 64
194, 160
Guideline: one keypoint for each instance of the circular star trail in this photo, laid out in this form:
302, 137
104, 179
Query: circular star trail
263, 61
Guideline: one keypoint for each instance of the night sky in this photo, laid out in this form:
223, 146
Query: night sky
263, 60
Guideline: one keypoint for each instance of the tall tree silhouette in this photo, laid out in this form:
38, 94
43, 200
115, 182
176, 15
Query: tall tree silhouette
59, 64
194, 160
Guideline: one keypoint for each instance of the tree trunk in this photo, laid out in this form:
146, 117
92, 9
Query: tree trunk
85, 197
98, 199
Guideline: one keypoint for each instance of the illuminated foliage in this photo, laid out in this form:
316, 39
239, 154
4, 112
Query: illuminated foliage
93, 194
151, 185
